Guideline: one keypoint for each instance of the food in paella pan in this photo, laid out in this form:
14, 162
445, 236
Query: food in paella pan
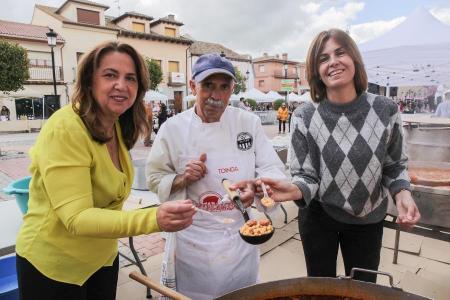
429, 176
256, 228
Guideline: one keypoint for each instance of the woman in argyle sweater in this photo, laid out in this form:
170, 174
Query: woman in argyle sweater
347, 156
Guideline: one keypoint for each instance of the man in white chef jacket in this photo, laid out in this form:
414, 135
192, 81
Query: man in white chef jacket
191, 154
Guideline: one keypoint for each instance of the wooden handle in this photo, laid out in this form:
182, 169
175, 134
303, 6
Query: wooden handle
226, 185
163, 290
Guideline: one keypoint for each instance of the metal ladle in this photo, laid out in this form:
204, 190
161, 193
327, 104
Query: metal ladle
236, 198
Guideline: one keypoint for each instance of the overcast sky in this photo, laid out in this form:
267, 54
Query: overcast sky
257, 26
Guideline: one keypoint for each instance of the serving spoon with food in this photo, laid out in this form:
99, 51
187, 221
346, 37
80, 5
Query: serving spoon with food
266, 201
251, 239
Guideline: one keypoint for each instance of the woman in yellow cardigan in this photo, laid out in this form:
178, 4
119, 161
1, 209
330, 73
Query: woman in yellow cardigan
81, 175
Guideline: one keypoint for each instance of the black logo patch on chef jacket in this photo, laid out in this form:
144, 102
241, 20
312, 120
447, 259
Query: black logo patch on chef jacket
244, 141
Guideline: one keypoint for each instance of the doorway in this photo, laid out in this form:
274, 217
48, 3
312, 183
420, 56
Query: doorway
178, 105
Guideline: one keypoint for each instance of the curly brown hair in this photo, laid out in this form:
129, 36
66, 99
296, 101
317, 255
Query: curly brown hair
133, 122
317, 87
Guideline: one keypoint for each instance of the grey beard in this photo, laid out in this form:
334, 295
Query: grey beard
215, 103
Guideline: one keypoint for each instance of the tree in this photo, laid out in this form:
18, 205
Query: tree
155, 73
13, 67
240, 84
252, 103
277, 103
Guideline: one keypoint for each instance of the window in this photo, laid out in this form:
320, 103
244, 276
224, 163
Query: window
261, 83
79, 55
261, 68
170, 31
174, 66
88, 16
158, 61
138, 27
24, 108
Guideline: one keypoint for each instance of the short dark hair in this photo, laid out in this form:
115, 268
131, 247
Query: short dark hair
133, 122
317, 87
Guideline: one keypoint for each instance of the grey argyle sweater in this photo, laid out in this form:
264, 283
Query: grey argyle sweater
349, 157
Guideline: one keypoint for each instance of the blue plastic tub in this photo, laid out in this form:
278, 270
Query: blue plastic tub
20, 189
8, 278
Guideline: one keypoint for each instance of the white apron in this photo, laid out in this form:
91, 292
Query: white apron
211, 259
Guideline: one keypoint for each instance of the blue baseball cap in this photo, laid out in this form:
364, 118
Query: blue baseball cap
209, 64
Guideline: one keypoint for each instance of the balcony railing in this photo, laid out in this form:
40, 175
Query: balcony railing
44, 73
281, 74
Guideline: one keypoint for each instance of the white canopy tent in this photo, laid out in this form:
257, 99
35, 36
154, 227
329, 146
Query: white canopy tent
272, 95
236, 97
152, 95
293, 97
256, 95
416, 52
305, 97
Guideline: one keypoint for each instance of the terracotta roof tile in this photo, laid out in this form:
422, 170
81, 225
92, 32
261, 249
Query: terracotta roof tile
274, 58
154, 36
25, 31
170, 19
132, 14
200, 48
52, 11
83, 2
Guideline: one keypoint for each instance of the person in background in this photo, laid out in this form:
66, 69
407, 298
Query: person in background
282, 116
401, 106
162, 114
242, 104
81, 175
149, 115
443, 109
342, 167
291, 111
190, 156
4, 113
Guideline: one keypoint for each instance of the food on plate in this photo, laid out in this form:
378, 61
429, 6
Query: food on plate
256, 228
267, 202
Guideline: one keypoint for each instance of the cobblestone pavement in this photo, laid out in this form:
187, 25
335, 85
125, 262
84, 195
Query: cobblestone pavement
14, 163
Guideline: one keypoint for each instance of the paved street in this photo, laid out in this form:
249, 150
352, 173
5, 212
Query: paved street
423, 267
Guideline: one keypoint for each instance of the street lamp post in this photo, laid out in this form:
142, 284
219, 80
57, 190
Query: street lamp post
51, 39
247, 74
285, 66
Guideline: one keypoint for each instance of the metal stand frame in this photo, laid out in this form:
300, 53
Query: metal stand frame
431, 231
137, 262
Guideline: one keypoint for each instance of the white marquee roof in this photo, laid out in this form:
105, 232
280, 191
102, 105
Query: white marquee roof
293, 97
256, 95
152, 95
305, 97
272, 95
416, 52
